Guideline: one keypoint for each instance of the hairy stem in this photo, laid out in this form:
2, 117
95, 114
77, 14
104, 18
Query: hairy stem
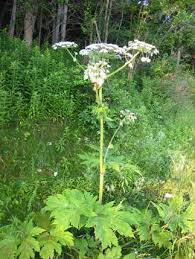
102, 168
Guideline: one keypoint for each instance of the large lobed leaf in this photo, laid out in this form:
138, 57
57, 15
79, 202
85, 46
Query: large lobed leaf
108, 220
70, 208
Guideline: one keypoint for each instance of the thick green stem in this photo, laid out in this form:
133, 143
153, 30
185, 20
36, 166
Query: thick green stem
102, 168
126, 64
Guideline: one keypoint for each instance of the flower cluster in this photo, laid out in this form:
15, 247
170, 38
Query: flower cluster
105, 49
65, 44
97, 73
139, 184
127, 116
143, 47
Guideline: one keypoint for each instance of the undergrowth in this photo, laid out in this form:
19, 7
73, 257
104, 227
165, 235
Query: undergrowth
48, 146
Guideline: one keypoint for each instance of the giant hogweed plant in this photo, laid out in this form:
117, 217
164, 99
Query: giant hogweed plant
74, 209
98, 71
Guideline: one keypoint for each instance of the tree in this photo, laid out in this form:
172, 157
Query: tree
29, 21
13, 19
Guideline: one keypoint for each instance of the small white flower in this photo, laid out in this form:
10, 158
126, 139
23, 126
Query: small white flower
168, 196
39, 170
49, 143
130, 65
145, 59
112, 188
86, 139
55, 173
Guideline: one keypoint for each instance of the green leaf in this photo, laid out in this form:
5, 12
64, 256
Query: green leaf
108, 220
43, 220
144, 221
27, 248
68, 208
64, 237
48, 249
51, 242
37, 231
106, 236
130, 256
113, 253
82, 246
8, 247
89, 159
161, 237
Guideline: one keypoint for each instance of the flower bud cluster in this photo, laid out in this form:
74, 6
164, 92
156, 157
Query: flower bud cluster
127, 117
65, 44
97, 73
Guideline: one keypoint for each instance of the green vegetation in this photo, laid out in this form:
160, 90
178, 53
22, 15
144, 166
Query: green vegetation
49, 145
97, 157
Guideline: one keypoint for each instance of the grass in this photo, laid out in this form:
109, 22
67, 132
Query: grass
37, 159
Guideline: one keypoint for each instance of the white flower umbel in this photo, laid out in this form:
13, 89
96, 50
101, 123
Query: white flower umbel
107, 51
104, 50
97, 73
65, 44
143, 47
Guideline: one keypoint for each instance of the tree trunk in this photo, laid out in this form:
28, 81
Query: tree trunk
29, 23
178, 57
58, 22
40, 27
54, 30
107, 19
64, 21
12, 20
